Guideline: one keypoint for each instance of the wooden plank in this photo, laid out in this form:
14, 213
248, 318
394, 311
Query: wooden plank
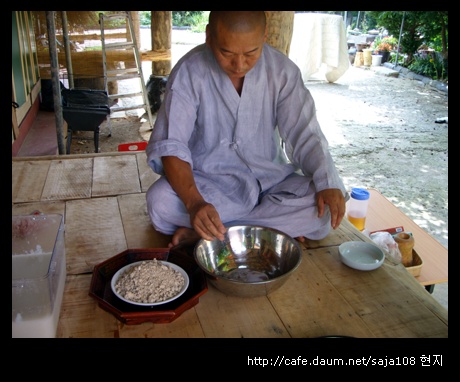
69, 156
28, 180
46, 208
68, 179
146, 174
397, 312
320, 310
93, 233
115, 175
136, 222
223, 316
385, 284
89, 62
383, 214
81, 316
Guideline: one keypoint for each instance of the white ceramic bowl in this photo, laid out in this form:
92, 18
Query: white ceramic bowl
361, 255
121, 271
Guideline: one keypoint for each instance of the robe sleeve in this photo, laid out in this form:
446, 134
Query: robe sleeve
305, 144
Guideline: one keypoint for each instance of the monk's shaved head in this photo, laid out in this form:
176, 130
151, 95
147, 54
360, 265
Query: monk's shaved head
237, 21
236, 39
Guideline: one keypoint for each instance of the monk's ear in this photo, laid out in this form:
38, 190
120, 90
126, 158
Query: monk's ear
266, 33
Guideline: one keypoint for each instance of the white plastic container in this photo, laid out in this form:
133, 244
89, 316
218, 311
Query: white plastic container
38, 274
376, 59
357, 207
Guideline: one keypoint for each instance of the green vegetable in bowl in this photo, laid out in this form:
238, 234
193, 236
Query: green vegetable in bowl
225, 260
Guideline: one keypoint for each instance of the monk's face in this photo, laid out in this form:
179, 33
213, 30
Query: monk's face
236, 52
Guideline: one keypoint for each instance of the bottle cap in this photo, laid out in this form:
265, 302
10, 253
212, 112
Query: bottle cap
360, 193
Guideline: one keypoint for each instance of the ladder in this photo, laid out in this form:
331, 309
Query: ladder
125, 73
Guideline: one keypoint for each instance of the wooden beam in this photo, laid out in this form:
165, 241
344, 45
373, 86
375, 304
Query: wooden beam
89, 63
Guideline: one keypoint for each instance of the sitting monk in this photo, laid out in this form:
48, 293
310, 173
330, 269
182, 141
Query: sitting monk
230, 106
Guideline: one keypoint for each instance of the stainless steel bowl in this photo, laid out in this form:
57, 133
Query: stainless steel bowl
254, 262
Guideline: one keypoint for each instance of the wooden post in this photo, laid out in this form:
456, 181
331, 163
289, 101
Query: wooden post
280, 28
136, 27
50, 23
161, 29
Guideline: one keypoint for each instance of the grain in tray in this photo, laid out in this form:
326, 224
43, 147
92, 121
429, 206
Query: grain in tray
150, 282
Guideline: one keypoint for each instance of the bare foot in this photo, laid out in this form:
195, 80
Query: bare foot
300, 238
183, 234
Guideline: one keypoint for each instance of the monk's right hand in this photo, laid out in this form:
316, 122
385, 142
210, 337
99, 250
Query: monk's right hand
206, 221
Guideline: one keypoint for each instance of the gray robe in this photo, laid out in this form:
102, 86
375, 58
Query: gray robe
232, 143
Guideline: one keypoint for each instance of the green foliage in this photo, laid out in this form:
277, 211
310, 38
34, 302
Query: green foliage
200, 21
364, 23
436, 43
434, 27
401, 59
385, 44
420, 27
93, 48
429, 28
112, 23
145, 18
185, 18
196, 20
430, 65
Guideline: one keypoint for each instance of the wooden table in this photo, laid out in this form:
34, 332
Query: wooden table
102, 199
382, 214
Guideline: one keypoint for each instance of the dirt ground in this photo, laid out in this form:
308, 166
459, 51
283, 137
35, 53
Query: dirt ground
121, 130
382, 134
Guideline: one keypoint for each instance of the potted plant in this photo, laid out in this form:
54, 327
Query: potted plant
384, 46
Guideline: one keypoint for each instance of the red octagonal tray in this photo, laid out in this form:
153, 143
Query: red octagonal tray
130, 314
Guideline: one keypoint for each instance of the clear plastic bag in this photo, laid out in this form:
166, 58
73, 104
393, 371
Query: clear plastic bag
386, 241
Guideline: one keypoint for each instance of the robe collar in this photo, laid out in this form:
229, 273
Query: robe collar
248, 106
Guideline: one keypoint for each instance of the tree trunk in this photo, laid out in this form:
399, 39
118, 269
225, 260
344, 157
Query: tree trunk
161, 30
136, 27
280, 28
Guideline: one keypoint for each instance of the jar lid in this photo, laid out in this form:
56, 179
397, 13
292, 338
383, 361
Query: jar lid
360, 193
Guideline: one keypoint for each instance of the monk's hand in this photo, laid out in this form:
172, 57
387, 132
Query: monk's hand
334, 198
206, 221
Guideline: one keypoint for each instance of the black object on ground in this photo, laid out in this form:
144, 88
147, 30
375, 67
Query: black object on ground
84, 110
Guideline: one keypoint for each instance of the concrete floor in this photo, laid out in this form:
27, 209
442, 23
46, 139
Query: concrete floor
42, 137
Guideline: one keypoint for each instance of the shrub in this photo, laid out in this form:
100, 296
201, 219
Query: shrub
185, 18
430, 64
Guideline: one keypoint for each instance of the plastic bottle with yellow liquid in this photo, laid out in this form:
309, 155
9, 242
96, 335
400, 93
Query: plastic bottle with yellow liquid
357, 207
